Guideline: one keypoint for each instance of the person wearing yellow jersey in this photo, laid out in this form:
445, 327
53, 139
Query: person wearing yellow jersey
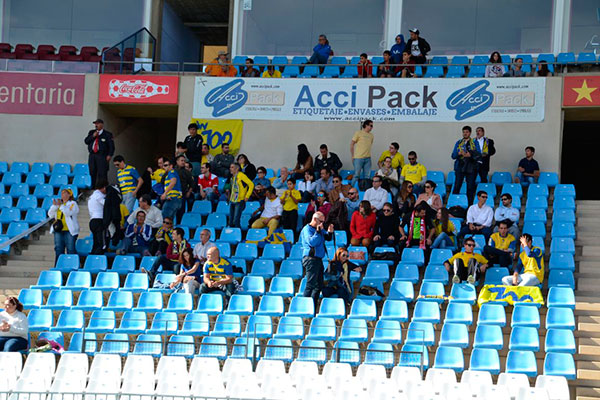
530, 268
445, 231
360, 149
217, 274
64, 210
172, 196
129, 181
290, 199
158, 173
466, 265
241, 190
206, 156
414, 172
397, 158
271, 72
501, 247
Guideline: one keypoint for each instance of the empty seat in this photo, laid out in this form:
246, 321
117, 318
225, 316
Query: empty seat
449, 357
89, 300
271, 305
322, 328
560, 364
524, 338
180, 303
263, 267
149, 345
380, 354
560, 341
561, 297
164, 323
150, 302
413, 256
282, 286
492, 314
312, 350
564, 261
365, 309
560, 318
120, 301
420, 333
346, 352
40, 320
115, 343
95, 264
227, 325
240, 304
181, 345
459, 313
525, 315
59, 300
488, 337
291, 268
484, 359
213, 347
456, 335
195, 324
396, 310
274, 252
132, 323
354, 330
246, 251
414, 355
253, 285
521, 362
401, 290
123, 265
387, 331
69, 321
561, 278
426, 311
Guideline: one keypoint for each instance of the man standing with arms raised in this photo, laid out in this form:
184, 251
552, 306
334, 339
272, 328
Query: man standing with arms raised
101, 148
312, 239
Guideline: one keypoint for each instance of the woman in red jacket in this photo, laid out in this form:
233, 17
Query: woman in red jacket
362, 225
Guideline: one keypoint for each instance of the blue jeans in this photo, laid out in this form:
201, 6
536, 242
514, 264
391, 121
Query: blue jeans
235, 213
129, 201
525, 179
443, 241
196, 168
362, 166
130, 248
316, 58
63, 240
170, 207
14, 343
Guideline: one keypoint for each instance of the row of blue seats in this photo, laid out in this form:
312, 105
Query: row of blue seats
41, 190
44, 168
31, 215
56, 180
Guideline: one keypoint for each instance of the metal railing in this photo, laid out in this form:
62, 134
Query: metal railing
25, 233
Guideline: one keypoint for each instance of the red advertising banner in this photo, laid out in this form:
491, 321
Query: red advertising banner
581, 91
138, 89
41, 94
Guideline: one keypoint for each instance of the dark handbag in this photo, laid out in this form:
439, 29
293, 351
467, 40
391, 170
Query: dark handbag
57, 225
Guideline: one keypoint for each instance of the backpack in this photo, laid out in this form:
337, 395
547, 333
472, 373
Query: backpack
458, 212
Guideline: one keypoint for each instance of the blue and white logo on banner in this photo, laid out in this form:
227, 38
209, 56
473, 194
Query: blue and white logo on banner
471, 100
227, 98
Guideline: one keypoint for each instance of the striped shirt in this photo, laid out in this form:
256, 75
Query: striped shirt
174, 193
128, 179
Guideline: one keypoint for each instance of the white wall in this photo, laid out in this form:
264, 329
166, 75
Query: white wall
273, 143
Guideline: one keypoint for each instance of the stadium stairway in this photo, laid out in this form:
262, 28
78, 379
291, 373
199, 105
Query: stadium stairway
23, 270
587, 310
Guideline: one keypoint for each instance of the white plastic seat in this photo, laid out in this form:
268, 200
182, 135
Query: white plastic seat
532, 394
557, 386
332, 370
494, 392
137, 389
387, 391
209, 389
100, 389
204, 363
234, 366
169, 387
31, 388
279, 388
367, 372
67, 389
170, 363
419, 390
440, 376
476, 377
75, 363
513, 382
105, 364
303, 368
454, 391
266, 368
316, 393
401, 375
11, 360
305, 381
244, 390
351, 389
40, 361
142, 363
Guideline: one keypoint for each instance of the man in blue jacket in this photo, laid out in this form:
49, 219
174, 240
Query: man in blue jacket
465, 156
312, 239
321, 51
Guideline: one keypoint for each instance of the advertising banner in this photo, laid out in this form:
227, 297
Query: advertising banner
139, 89
41, 94
581, 91
510, 294
217, 132
393, 100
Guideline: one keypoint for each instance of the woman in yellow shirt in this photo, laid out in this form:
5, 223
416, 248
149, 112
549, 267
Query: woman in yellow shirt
289, 200
444, 229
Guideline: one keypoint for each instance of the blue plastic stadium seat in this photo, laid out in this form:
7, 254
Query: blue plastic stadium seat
59, 299
81, 169
561, 278
282, 286
426, 311
524, 338
313, 350
421, 333
322, 328
67, 263
149, 345
432, 291
346, 352
123, 264
565, 189
180, 303
101, 321
34, 216
17, 228
560, 341
217, 221
271, 305
31, 298
181, 346
463, 293
254, 285
82, 181
521, 362
492, 314
259, 326
6, 202
213, 346
4, 249
560, 364
538, 189
459, 313
401, 290
380, 354
494, 275
34, 179
61, 168
354, 330
95, 264
413, 256
332, 308
563, 229
196, 324
359, 249
295, 253
303, 307
387, 331
291, 268
69, 321
407, 272
240, 304
279, 349
564, 215
396, 310
535, 215
202, 207
560, 318
537, 202
49, 280
564, 261
290, 327
435, 273
40, 320
365, 309
450, 358
549, 58
150, 302
561, 297
535, 228
89, 300
115, 343
414, 355
42, 168
11, 178
483, 359
310, 71
9, 215
458, 200
456, 335
565, 58
76, 344
43, 190
514, 189
586, 58
274, 252
525, 315
246, 251
78, 280
263, 267
231, 235
191, 220
84, 246
227, 325
164, 323
120, 301
58, 180
245, 347
210, 303
136, 282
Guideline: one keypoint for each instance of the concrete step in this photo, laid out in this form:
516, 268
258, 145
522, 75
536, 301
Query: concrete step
17, 283
590, 250
19, 271
588, 284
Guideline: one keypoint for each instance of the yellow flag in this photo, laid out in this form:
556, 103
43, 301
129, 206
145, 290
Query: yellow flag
215, 132
510, 294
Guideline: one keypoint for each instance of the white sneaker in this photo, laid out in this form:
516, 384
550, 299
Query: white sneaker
455, 279
471, 279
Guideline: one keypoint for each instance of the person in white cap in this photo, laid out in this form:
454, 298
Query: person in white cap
417, 47
221, 66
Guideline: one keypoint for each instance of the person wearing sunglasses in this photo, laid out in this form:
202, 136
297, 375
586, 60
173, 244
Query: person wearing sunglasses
338, 272
387, 228
414, 172
406, 199
479, 218
162, 238
429, 196
466, 265
362, 225
352, 202
339, 191
509, 214
321, 205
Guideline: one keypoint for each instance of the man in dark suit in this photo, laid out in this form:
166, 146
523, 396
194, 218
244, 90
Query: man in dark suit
101, 148
486, 148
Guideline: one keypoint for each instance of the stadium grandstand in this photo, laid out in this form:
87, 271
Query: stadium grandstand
367, 199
